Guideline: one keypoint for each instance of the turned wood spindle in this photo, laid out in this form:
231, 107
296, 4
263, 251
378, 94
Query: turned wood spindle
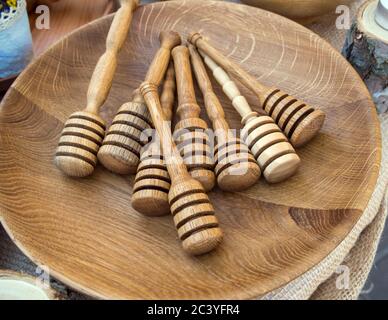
190, 131
192, 211
275, 155
152, 182
298, 121
236, 168
84, 131
120, 151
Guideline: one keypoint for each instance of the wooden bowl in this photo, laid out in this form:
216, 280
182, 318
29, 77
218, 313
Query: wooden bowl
303, 11
85, 230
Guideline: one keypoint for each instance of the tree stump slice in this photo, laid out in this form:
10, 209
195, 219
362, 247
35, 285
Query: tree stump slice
366, 48
85, 230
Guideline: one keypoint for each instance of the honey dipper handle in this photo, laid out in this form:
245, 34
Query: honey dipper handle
188, 107
158, 67
229, 87
102, 77
172, 157
213, 106
167, 97
244, 77
137, 96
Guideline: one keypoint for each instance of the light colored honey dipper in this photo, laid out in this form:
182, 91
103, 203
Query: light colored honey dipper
152, 182
84, 131
298, 121
120, 151
193, 213
275, 155
236, 168
190, 132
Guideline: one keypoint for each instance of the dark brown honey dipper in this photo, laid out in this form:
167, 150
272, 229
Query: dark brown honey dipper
190, 132
152, 182
84, 131
298, 121
120, 151
275, 155
192, 211
236, 168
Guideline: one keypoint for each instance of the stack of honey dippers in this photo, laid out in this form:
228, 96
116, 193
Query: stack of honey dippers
174, 171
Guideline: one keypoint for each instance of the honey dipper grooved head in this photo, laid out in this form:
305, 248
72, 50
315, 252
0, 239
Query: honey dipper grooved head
274, 154
195, 148
152, 203
307, 128
236, 168
282, 168
114, 160
81, 138
152, 184
205, 177
120, 150
194, 217
299, 121
203, 241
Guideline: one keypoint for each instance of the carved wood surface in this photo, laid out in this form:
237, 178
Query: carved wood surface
85, 231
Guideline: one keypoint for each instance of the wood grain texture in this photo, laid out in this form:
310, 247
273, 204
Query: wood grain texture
86, 231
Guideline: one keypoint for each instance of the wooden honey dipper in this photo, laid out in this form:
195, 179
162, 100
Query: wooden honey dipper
84, 131
152, 182
193, 142
120, 151
298, 121
236, 168
275, 155
193, 213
